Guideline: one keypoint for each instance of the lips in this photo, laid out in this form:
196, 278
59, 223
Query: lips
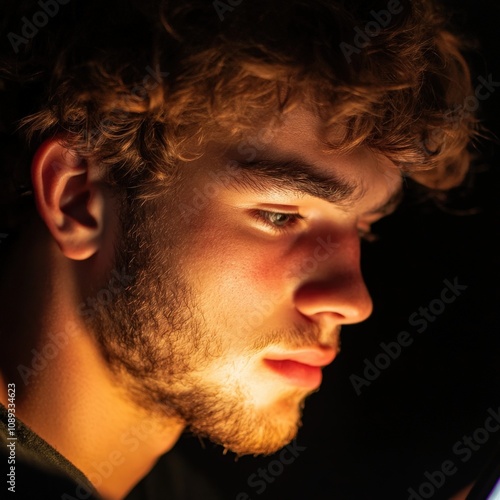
301, 368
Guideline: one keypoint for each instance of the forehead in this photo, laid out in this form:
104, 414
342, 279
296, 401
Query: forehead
286, 158
302, 134
298, 142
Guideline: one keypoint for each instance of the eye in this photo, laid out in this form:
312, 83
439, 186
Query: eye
278, 221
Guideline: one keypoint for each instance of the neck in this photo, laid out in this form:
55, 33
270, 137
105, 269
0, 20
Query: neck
65, 391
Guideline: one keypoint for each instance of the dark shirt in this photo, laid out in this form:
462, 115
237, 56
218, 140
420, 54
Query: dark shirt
41, 472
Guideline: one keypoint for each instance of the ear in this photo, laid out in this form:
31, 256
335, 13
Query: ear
70, 199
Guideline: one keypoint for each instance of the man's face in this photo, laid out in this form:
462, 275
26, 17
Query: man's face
242, 278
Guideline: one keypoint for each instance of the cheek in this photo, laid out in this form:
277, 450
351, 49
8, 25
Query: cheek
267, 269
240, 286
243, 282
242, 273
225, 256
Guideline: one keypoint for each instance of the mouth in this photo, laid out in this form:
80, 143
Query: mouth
301, 368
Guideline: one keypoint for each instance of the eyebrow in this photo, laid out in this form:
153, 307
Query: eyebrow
303, 178
297, 176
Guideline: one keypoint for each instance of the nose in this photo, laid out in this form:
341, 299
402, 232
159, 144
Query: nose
336, 293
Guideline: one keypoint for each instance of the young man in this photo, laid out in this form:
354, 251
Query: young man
185, 188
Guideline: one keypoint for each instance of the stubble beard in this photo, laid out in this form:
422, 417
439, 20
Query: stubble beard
154, 339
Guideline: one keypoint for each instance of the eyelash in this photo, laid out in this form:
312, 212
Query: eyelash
263, 217
294, 219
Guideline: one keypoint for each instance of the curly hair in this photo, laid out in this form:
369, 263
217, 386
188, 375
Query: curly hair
126, 82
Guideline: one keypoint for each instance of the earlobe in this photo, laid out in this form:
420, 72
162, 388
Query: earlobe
69, 198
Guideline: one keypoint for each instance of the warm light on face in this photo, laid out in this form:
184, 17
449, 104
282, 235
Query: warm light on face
253, 270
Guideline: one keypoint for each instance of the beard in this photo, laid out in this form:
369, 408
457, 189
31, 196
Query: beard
155, 339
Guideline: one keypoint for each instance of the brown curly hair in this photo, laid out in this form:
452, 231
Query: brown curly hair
126, 82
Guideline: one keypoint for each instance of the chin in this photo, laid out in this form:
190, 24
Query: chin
263, 443
260, 432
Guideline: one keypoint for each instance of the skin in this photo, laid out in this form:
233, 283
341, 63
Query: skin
199, 361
